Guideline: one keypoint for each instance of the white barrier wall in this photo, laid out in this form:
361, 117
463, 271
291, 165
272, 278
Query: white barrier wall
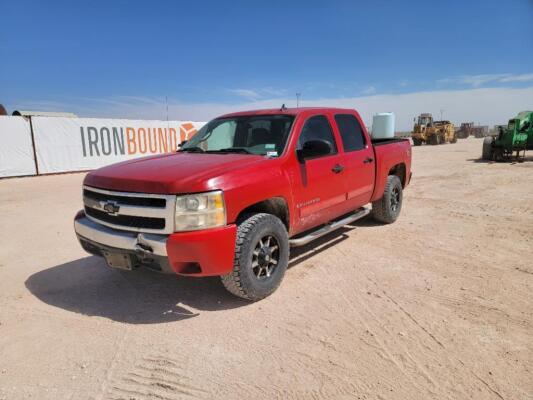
77, 144
16, 151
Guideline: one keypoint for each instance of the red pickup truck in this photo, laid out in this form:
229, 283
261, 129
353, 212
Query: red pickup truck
235, 197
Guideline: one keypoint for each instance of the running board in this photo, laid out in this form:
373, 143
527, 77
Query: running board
330, 227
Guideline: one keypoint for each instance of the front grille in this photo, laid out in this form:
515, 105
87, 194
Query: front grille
132, 201
137, 212
126, 220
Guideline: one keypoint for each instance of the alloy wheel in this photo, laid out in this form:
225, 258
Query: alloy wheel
265, 257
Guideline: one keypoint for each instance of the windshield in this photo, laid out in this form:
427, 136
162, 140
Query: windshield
258, 134
424, 120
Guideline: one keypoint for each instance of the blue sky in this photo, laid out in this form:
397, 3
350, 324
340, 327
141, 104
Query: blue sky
116, 58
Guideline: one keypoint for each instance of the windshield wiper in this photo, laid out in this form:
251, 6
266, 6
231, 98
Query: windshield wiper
231, 150
194, 149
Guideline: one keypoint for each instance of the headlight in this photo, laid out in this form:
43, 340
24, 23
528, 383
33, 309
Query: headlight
200, 211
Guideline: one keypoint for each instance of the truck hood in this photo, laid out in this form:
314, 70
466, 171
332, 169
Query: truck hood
169, 173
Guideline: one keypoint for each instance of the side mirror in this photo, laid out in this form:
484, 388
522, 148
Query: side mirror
314, 148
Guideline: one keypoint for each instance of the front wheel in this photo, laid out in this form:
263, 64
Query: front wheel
434, 140
261, 257
387, 209
488, 151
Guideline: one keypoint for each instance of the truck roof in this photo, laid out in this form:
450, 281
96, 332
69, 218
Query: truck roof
286, 111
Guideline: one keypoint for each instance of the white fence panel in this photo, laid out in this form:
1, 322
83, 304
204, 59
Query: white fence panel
16, 151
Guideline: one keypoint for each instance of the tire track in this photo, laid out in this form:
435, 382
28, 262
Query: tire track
450, 357
156, 377
407, 314
387, 353
477, 206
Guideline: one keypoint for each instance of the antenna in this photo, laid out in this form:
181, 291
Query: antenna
441, 111
166, 103
298, 100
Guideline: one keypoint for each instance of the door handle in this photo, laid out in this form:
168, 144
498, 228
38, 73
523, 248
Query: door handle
337, 169
368, 160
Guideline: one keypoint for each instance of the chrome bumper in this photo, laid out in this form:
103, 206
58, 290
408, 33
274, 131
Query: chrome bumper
139, 242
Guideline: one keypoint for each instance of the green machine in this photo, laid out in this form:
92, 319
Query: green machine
516, 137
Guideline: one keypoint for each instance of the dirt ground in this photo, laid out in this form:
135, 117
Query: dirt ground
438, 305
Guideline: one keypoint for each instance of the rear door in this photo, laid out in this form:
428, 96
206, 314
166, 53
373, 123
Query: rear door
320, 191
357, 160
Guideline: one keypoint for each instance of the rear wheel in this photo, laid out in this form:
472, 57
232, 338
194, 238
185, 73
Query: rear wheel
387, 209
454, 139
261, 257
416, 142
488, 151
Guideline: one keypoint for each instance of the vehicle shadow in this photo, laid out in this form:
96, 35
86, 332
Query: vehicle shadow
88, 286
480, 161
304, 253
511, 160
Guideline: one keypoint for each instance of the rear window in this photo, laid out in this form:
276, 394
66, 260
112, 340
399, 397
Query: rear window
351, 132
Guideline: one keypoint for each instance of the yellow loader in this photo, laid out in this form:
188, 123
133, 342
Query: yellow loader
432, 132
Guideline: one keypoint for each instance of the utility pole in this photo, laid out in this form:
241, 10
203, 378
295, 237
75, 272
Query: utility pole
298, 100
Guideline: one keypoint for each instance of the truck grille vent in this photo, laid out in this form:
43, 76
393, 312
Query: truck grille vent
137, 212
132, 201
126, 220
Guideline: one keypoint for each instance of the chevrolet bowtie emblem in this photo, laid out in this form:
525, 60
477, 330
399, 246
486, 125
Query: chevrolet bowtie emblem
110, 207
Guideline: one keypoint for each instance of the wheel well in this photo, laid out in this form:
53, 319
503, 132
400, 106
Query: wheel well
275, 205
399, 171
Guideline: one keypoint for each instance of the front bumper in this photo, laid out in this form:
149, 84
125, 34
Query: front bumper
196, 253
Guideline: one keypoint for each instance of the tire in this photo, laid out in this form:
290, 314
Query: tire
434, 140
387, 209
498, 155
454, 139
488, 152
416, 142
261, 257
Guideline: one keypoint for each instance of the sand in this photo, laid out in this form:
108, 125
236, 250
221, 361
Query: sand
438, 305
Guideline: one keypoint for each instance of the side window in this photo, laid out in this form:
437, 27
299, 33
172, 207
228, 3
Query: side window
351, 132
315, 128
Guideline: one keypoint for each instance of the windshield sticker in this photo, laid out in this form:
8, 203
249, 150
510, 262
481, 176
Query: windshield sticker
272, 154
270, 146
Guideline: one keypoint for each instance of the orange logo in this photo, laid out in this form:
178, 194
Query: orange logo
187, 131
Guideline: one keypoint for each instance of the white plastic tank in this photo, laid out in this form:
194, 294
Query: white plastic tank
383, 125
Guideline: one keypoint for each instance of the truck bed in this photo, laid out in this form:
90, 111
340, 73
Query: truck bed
388, 154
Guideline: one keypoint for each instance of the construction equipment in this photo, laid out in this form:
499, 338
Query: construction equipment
480, 131
468, 128
517, 136
432, 132
465, 130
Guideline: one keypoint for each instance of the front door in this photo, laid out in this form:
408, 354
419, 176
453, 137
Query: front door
319, 188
